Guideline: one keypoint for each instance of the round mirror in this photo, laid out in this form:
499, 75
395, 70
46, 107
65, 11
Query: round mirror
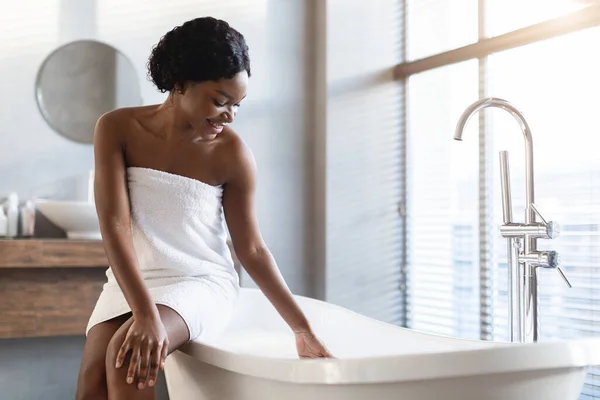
82, 80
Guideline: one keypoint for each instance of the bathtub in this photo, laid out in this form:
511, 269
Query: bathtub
255, 359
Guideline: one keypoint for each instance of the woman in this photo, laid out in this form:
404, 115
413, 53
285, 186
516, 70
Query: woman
168, 178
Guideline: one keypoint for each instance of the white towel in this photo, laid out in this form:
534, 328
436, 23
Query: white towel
180, 240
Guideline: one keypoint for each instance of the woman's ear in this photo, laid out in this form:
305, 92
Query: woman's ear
180, 89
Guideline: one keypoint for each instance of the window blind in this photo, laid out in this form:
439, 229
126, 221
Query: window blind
443, 197
364, 229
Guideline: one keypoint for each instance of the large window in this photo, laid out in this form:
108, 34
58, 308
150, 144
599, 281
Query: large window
456, 256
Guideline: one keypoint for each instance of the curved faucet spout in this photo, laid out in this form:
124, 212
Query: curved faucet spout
505, 105
491, 102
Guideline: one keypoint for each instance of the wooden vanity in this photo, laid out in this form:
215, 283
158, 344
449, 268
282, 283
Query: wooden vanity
49, 287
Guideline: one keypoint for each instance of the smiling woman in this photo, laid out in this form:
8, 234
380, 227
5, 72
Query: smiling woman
167, 179
220, 76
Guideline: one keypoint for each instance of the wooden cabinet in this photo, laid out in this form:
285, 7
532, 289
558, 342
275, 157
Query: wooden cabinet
49, 287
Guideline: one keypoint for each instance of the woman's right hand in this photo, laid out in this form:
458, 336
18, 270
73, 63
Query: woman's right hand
149, 345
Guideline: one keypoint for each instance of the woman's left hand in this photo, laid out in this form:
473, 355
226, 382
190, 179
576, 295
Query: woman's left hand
309, 346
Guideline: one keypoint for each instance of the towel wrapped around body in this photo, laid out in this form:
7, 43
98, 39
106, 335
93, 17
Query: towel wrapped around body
180, 241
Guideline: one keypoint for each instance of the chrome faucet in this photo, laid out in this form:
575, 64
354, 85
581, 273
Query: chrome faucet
523, 255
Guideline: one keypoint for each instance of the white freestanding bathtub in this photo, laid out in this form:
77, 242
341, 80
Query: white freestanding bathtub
255, 359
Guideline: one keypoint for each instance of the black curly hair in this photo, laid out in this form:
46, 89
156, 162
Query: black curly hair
201, 49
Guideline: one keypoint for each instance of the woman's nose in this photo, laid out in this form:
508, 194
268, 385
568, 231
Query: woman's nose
228, 116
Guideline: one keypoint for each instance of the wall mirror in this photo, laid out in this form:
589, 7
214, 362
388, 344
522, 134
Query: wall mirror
80, 81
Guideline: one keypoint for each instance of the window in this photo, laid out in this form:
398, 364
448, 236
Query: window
434, 26
442, 192
503, 16
456, 256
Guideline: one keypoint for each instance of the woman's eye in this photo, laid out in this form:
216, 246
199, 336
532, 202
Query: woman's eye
218, 104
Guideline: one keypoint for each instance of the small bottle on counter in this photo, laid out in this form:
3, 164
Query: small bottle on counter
27, 219
3, 223
12, 215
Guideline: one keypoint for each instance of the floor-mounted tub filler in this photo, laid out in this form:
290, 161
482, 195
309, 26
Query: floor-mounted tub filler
256, 359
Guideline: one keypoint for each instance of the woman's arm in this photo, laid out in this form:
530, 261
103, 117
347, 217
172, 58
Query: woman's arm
112, 205
147, 337
248, 244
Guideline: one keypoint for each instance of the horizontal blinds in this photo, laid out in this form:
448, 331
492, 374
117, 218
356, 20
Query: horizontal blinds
443, 257
364, 270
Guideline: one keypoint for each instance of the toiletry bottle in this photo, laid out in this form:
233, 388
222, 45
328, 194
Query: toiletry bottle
27, 219
3, 223
12, 215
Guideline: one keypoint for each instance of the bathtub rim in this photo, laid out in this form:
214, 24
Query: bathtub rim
498, 358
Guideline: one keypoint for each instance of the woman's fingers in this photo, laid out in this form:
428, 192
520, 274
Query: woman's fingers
146, 352
133, 363
165, 352
325, 353
125, 347
136, 377
155, 364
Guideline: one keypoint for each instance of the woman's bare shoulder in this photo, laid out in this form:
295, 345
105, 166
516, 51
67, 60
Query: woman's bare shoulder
121, 121
236, 155
234, 148
125, 116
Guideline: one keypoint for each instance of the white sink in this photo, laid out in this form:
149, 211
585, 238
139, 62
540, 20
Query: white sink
77, 218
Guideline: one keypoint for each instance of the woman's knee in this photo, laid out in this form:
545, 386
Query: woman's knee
114, 345
92, 382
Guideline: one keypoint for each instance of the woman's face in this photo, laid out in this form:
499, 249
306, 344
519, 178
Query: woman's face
209, 106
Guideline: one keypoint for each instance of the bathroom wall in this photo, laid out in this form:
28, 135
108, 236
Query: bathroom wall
274, 120
35, 161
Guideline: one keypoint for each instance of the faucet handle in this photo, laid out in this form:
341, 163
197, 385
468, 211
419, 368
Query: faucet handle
552, 229
551, 258
553, 261
562, 274
535, 210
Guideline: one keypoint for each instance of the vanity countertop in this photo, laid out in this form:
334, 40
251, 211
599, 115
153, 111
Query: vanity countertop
52, 253
48, 287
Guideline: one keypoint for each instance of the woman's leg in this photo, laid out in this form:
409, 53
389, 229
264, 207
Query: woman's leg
118, 388
91, 383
